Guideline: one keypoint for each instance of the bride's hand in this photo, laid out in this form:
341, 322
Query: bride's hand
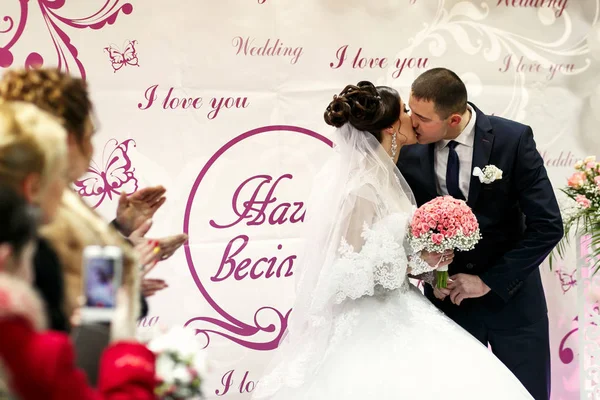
436, 260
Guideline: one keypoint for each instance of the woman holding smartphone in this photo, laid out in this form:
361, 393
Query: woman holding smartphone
35, 363
77, 225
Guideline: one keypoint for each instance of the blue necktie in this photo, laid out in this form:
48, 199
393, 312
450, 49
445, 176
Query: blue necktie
452, 172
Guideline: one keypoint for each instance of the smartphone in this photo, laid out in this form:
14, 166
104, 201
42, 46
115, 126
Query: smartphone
103, 270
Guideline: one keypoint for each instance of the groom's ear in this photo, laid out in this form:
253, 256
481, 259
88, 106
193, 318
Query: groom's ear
454, 120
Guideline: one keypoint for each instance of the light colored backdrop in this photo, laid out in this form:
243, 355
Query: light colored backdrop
247, 165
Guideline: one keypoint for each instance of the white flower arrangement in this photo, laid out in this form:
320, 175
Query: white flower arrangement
488, 174
459, 241
181, 364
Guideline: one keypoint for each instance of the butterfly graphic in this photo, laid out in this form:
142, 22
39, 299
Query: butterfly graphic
566, 280
115, 176
119, 59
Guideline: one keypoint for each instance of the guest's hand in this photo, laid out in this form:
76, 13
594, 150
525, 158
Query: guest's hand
168, 245
147, 251
135, 209
151, 286
436, 260
465, 286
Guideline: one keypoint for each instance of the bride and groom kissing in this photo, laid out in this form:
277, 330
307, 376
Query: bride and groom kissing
359, 329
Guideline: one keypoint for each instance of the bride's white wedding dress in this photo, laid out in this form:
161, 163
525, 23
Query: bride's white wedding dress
359, 329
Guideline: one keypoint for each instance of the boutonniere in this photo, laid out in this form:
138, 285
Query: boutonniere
489, 174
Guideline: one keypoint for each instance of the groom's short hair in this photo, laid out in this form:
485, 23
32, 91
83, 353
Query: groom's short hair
444, 88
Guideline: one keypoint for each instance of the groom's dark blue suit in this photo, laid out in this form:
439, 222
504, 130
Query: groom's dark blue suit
520, 224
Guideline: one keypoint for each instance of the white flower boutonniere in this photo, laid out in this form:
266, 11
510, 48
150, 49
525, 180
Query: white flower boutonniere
489, 174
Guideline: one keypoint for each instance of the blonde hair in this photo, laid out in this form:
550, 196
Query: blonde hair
53, 91
31, 141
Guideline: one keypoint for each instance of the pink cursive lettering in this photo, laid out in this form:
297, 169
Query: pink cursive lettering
340, 56
361, 62
245, 46
246, 385
522, 66
358, 61
267, 267
150, 96
409, 63
226, 382
563, 159
558, 5
173, 102
170, 101
147, 322
256, 209
229, 102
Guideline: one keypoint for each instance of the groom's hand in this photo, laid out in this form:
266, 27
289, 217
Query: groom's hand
440, 293
465, 286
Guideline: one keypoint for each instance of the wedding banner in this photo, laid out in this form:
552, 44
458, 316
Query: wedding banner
222, 103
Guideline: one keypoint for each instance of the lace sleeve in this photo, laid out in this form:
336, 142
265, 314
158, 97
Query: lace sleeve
418, 268
370, 254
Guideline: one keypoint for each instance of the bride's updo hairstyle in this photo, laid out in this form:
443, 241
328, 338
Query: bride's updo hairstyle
365, 107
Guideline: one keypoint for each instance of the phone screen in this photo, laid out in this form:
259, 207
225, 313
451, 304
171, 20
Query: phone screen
100, 282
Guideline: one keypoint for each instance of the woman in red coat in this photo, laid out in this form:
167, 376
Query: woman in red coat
38, 364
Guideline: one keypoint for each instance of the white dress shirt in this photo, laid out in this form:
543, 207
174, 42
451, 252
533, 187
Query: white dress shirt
464, 149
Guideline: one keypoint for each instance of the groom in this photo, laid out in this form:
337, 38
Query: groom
496, 293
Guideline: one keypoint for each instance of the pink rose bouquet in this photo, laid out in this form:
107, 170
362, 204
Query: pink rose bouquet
441, 224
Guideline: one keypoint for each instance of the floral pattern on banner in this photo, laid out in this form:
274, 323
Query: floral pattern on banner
465, 22
66, 52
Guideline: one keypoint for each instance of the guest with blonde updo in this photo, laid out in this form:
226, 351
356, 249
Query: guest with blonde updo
33, 162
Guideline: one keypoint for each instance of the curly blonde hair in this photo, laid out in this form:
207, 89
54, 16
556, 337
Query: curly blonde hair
53, 91
31, 141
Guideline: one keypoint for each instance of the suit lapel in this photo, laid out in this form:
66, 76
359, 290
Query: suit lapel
482, 150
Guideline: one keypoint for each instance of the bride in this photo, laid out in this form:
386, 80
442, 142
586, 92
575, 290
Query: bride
359, 329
